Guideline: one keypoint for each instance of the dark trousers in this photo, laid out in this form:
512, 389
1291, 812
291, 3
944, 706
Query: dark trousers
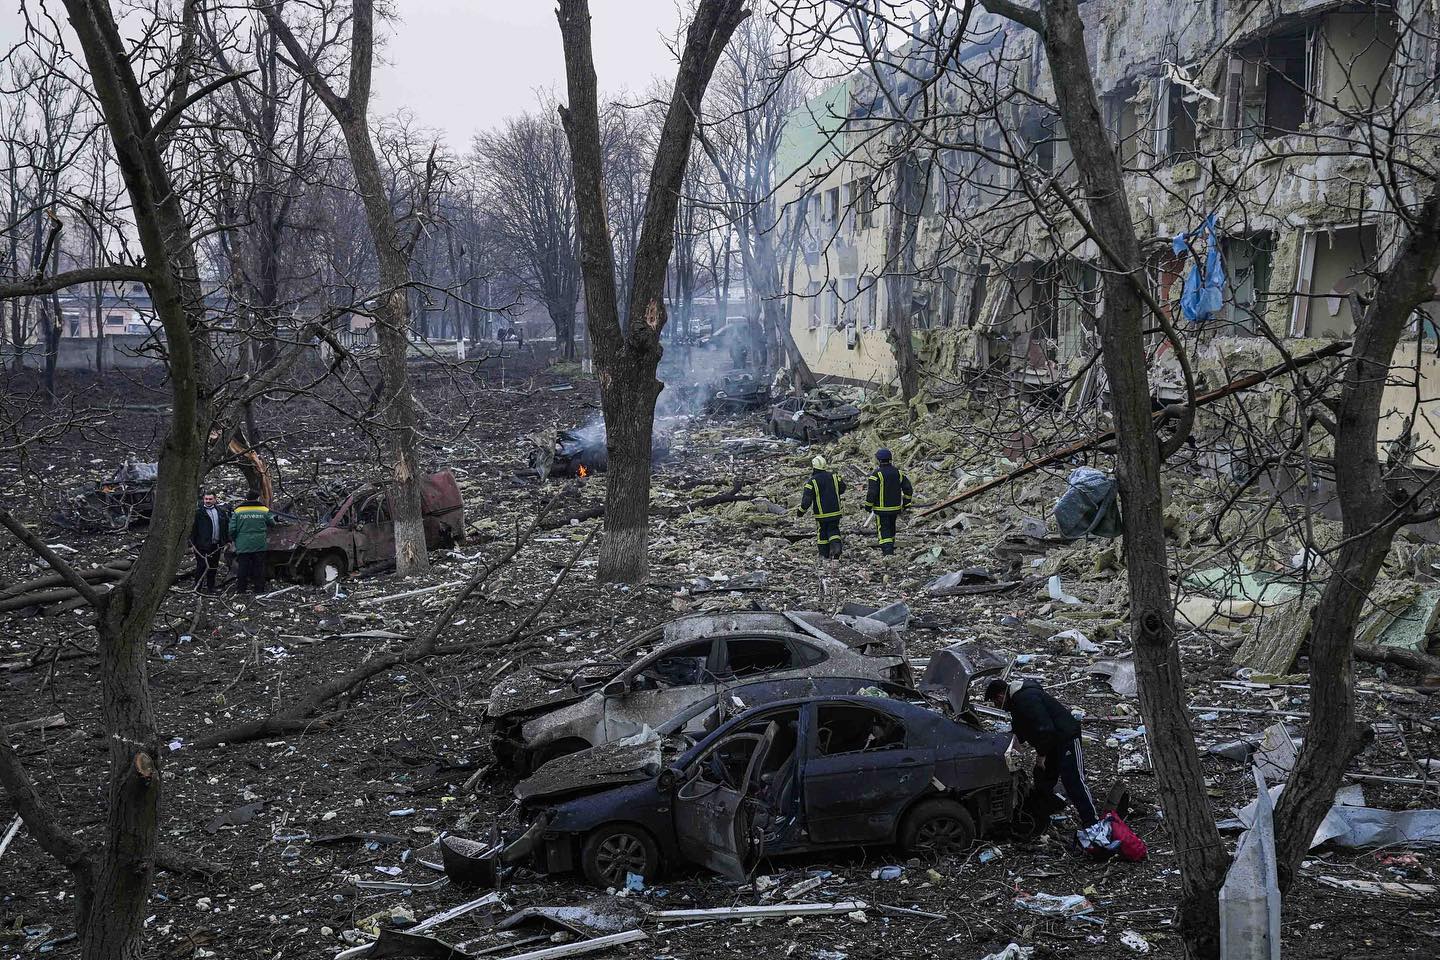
207, 565
250, 572
886, 526
828, 537
1066, 764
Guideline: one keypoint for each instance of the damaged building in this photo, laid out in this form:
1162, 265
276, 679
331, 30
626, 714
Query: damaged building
1270, 118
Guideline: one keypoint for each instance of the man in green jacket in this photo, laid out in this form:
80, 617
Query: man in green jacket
250, 532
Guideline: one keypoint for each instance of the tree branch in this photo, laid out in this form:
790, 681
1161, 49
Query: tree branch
1025, 16
41, 824
174, 113
28, 537
43, 286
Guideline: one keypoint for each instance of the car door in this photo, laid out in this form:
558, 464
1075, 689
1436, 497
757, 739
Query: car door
658, 687
712, 817
375, 533
862, 769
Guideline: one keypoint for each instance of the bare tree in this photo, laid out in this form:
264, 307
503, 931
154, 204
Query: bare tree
523, 170
113, 885
392, 250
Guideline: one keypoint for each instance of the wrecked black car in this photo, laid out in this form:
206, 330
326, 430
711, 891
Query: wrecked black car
738, 391
550, 710
818, 416
795, 776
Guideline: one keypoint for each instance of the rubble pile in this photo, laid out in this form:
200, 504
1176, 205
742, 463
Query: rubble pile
330, 837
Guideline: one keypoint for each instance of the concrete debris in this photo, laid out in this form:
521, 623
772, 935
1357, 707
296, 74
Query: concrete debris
1119, 673
1012, 951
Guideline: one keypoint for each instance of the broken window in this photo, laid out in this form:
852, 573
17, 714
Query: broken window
1123, 122
832, 206
1178, 126
680, 666
978, 290
1268, 85
752, 656
1334, 263
865, 201
846, 728
1247, 265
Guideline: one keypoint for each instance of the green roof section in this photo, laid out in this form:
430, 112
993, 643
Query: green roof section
809, 136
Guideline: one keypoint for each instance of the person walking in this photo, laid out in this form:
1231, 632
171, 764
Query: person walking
887, 493
822, 494
209, 535
250, 530
1040, 721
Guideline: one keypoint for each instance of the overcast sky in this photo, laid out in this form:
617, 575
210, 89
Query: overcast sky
463, 65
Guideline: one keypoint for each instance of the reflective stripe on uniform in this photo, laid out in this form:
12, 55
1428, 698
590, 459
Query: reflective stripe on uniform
820, 512
879, 477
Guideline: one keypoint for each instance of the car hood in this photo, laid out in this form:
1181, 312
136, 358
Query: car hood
543, 685
609, 765
838, 413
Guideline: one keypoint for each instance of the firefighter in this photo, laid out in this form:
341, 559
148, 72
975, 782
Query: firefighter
250, 532
887, 492
822, 494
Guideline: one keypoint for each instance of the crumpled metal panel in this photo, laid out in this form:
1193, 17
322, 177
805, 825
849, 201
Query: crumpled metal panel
950, 671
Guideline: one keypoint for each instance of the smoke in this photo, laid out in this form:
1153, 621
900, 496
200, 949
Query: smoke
694, 373
581, 451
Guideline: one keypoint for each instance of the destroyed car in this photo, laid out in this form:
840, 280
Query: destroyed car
582, 451
554, 709
789, 777
814, 417
359, 531
738, 391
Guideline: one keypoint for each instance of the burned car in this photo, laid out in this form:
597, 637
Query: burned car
582, 451
818, 416
359, 531
738, 391
789, 777
554, 709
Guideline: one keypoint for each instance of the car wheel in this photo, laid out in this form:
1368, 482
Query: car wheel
329, 567
612, 853
937, 829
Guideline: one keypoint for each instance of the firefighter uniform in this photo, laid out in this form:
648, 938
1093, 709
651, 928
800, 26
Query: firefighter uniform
887, 492
822, 494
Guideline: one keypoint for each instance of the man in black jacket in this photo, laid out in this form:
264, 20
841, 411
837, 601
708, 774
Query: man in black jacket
822, 494
887, 493
1042, 722
209, 535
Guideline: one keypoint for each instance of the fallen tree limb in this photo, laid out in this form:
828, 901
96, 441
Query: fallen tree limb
1422, 662
299, 716
733, 495
42, 550
1094, 440
114, 570
178, 861
39, 723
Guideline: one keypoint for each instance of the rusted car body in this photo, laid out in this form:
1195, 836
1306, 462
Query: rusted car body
738, 391
818, 772
359, 531
814, 417
554, 709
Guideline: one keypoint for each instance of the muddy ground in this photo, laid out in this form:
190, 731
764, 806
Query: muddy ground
394, 762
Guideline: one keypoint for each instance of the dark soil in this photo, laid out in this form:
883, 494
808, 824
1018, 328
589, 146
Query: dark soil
394, 760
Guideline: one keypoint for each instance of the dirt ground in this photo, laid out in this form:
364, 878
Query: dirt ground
294, 819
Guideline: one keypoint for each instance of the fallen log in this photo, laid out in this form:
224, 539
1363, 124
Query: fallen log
39, 723
1095, 440
114, 570
1409, 659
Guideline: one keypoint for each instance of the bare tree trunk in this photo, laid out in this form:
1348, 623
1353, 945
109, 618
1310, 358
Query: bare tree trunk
627, 357
900, 275
1191, 822
392, 305
114, 906
1372, 511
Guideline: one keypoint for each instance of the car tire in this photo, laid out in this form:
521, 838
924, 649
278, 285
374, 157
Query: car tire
936, 829
612, 852
328, 567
